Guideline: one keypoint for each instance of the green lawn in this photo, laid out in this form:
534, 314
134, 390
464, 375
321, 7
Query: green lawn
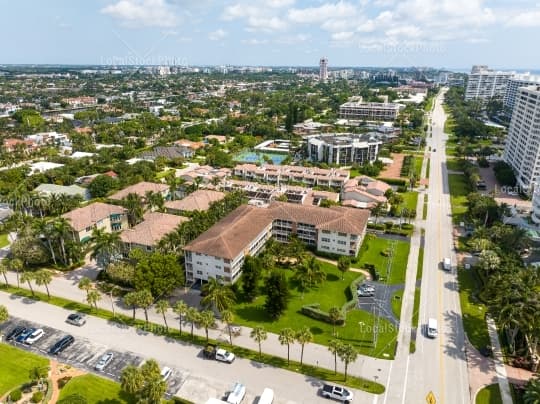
459, 189
15, 366
473, 310
354, 172
489, 395
96, 390
418, 165
453, 165
427, 168
397, 300
410, 200
370, 253
3, 240
357, 331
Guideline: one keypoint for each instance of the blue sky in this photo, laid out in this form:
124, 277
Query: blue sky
438, 33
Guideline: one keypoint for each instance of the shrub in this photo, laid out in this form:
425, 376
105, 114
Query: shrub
37, 397
385, 253
394, 181
63, 381
483, 162
388, 225
15, 395
406, 226
313, 311
372, 271
402, 188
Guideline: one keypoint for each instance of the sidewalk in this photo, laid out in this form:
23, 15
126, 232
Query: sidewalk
500, 369
65, 286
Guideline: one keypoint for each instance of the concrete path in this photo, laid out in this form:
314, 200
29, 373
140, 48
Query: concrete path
500, 369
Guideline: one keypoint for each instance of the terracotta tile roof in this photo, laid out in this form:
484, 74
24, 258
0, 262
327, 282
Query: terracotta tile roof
198, 200
152, 229
89, 215
233, 234
140, 189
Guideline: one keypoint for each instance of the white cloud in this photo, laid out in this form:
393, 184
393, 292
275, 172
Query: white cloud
525, 19
293, 39
322, 13
254, 41
342, 36
280, 3
258, 18
146, 13
217, 35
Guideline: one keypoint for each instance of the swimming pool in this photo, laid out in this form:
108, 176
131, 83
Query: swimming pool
253, 157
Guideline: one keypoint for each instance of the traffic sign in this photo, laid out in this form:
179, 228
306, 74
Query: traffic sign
430, 398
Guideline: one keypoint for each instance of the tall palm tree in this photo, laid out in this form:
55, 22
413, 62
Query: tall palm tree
287, 336
131, 380
206, 320
155, 201
304, 336
28, 277
309, 274
145, 300
105, 246
62, 229
43, 278
259, 335
85, 284
135, 210
348, 355
16, 265
219, 296
162, 306
93, 297
131, 300
193, 315
334, 347
227, 316
43, 229
180, 308
4, 270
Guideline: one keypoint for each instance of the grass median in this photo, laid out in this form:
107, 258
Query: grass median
158, 329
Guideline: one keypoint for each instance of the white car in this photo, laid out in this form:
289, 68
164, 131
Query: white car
104, 361
224, 356
166, 373
35, 336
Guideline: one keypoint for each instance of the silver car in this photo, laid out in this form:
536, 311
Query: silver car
104, 361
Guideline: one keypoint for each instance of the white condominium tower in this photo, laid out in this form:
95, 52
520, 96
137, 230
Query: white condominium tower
516, 81
323, 69
485, 83
522, 150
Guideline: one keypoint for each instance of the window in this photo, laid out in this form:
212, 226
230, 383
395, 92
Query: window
199, 263
342, 234
325, 240
326, 231
341, 242
218, 266
199, 272
89, 228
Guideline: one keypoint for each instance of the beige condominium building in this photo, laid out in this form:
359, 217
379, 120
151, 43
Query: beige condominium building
220, 251
96, 216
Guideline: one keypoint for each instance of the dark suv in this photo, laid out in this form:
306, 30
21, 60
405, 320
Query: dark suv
61, 345
13, 334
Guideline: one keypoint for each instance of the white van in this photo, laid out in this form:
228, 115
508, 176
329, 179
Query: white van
267, 396
447, 264
432, 328
237, 394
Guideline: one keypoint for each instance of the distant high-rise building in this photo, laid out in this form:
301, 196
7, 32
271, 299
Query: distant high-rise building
323, 69
522, 150
486, 83
516, 81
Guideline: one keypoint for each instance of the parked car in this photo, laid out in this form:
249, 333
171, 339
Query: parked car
367, 286
76, 319
212, 351
25, 334
34, 337
13, 334
365, 293
104, 361
237, 394
61, 344
337, 393
166, 373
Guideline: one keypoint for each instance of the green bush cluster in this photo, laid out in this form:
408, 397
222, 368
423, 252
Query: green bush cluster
37, 397
407, 166
314, 311
15, 395
394, 181
375, 275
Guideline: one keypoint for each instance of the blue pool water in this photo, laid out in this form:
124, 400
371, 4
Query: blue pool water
252, 157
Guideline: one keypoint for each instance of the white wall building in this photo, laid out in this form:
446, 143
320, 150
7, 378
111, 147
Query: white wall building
323, 69
516, 81
535, 216
485, 83
343, 148
522, 150
369, 111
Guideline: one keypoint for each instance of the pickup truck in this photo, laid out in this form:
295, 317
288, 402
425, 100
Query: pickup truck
212, 351
337, 393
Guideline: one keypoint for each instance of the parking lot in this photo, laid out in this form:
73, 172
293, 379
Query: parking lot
84, 354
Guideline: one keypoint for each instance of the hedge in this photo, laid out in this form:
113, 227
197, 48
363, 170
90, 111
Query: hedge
372, 271
394, 181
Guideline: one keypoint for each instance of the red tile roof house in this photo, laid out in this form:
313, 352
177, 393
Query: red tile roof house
198, 200
219, 252
11, 143
364, 192
147, 234
141, 189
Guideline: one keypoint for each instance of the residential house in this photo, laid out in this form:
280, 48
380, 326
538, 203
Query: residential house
364, 192
71, 190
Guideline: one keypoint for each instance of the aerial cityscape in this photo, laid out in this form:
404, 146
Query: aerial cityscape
289, 202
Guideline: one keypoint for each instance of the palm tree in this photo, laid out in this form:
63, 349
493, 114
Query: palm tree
85, 284
135, 211
105, 246
62, 229
180, 308
4, 315
259, 335
334, 314
43, 278
193, 315
334, 347
16, 265
287, 337
3, 271
162, 306
532, 391
228, 317
155, 201
309, 273
131, 380
43, 228
378, 210
145, 300
28, 277
206, 320
304, 336
217, 295
131, 300
93, 297
343, 264
348, 355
